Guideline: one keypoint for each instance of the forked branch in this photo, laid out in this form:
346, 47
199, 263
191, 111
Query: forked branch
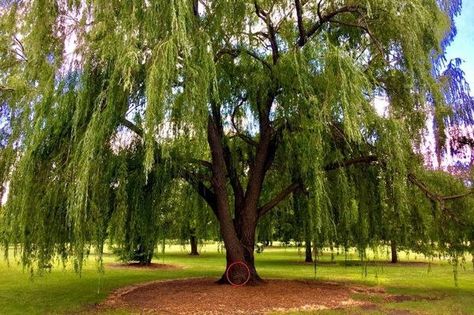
324, 18
434, 196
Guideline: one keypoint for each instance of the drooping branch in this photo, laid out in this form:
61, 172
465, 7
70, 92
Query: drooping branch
366, 29
20, 51
5, 89
235, 52
411, 177
295, 186
204, 163
326, 18
459, 196
282, 195
245, 138
434, 196
361, 160
139, 132
133, 127
205, 192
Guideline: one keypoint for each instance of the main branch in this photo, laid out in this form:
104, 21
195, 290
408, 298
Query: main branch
299, 16
127, 123
205, 192
282, 195
434, 196
326, 18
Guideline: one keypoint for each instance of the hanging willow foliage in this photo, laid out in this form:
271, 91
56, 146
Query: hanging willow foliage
113, 110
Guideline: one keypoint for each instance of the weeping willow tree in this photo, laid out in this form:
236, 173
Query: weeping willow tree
221, 94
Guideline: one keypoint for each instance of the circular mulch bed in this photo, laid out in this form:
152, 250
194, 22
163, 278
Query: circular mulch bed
151, 266
204, 296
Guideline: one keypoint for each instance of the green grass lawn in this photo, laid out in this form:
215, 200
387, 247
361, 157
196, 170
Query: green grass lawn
63, 291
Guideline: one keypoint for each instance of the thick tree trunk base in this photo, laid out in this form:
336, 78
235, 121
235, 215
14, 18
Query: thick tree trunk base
308, 252
239, 274
143, 255
194, 246
254, 280
194, 251
393, 249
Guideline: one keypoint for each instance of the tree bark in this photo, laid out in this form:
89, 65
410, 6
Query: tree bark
300, 202
393, 249
308, 251
238, 231
245, 230
194, 245
143, 254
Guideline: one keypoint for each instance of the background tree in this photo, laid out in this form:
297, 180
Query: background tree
137, 208
223, 94
190, 219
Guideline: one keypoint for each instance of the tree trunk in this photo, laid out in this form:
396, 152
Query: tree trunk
238, 273
194, 245
143, 254
393, 248
301, 203
245, 228
309, 252
238, 232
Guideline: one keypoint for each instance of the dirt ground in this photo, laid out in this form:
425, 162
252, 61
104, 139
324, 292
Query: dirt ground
204, 296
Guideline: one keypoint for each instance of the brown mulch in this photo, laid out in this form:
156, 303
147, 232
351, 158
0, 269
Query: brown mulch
151, 266
204, 296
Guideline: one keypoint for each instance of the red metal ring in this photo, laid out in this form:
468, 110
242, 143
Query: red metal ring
234, 264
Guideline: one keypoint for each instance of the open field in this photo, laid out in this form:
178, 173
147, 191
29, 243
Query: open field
63, 291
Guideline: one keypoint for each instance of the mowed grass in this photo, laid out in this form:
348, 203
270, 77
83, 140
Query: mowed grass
62, 291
